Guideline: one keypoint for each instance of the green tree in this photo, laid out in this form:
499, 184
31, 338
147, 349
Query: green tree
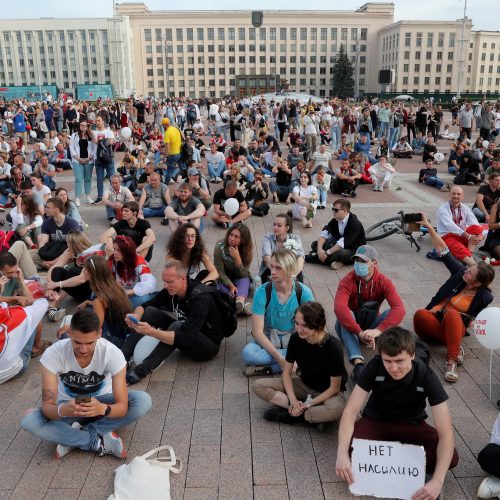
343, 81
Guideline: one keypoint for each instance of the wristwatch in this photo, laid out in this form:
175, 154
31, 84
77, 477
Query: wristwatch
108, 411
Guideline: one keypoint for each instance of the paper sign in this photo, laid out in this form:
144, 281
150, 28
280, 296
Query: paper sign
387, 469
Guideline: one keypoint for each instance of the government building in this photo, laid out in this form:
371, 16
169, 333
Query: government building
218, 53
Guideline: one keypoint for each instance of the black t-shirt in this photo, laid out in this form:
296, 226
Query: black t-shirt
137, 232
317, 363
220, 197
400, 399
489, 197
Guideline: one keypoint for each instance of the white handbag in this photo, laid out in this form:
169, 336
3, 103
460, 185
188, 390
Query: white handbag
146, 477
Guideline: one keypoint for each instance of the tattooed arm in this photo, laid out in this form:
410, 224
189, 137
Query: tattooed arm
49, 394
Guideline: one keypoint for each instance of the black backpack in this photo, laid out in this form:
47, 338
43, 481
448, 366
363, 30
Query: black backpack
262, 122
226, 305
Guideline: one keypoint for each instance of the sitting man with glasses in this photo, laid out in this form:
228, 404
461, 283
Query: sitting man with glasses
339, 239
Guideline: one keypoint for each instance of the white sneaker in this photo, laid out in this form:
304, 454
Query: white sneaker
77, 202
489, 488
90, 200
61, 449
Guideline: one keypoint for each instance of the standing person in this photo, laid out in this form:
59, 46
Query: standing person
311, 130
465, 118
232, 259
273, 310
399, 384
85, 365
316, 393
172, 140
104, 139
83, 151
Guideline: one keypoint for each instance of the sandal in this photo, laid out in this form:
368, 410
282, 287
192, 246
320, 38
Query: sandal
451, 374
45, 344
461, 356
56, 313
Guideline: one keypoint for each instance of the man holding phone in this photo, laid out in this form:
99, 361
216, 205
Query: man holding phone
84, 393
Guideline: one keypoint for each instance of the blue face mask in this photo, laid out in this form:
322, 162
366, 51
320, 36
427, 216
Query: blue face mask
361, 269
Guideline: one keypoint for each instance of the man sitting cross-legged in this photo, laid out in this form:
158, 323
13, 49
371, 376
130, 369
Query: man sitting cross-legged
84, 393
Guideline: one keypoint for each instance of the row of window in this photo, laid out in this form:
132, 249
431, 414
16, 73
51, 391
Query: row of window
427, 80
439, 68
52, 35
202, 34
51, 62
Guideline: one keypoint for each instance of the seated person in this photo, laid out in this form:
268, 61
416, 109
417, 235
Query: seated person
281, 187
257, 194
294, 157
41, 193
198, 331
488, 459
454, 159
219, 216
381, 174
54, 232
254, 154
347, 179
306, 197
66, 370
430, 150
155, 198
315, 393
47, 171
184, 208
446, 134
269, 160
492, 243
186, 245
487, 196
459, 300
234, 174
418, 143
402, 149
458, 227
429, 176
321, 157
469, 172
199, 185
232, 259
114, 199
215, 163
281, 237
60, 158
273, 311
362, 146
340, 238
321, 181
495, 167
138, 229
399, 384
26, 220
357, 303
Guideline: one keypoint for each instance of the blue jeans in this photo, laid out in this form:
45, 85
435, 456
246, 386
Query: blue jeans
137, 300
87, 438
99, 170
214, 171
393, 133
110, 212
383, 130
266, 170
336, 135
83, 177
153, 212
255, 164
253, 354
223, 131
323, 196
351, 340
479, 214
452, 170
172, 169
434, 181
25, 354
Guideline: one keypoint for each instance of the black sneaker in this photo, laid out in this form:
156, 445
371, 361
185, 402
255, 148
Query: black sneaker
355, 374
97, 200
277, 414
134, 375
310, 259
164, 222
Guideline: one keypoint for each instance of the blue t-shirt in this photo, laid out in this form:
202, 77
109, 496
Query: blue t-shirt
279, 316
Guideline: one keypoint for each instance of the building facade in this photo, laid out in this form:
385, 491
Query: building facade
218, 53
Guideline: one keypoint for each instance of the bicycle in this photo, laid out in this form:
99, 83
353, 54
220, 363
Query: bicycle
404, 224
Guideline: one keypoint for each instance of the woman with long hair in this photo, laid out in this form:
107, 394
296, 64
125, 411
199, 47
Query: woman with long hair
70, 208
455, 305
232, 259
26, 219
186, 245
131, 271
82, 156
109, 300
306, 199
315, 393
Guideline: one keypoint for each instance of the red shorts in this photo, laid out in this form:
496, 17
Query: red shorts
458, 245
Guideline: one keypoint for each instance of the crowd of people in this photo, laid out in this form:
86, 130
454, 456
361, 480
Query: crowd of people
251, 155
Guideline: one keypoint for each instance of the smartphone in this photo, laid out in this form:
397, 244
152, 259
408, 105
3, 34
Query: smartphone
133, 319
82, 399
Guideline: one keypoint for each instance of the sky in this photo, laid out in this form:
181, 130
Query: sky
484, 13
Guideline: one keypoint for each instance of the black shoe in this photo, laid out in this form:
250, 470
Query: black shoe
164, 222
134, 375
355, 373
310, 259
353, 195
277, 414
97, 200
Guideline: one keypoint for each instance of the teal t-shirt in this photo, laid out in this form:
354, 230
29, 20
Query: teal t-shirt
11, 287
279, 316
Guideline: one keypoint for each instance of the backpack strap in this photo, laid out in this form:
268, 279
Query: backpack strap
269, 286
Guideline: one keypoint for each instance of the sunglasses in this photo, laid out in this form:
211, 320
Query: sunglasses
337, 209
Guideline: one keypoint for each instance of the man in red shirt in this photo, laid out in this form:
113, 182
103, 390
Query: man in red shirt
357, 302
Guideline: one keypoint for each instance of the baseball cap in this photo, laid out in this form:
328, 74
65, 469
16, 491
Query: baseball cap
165, 121
367, 252
193, 171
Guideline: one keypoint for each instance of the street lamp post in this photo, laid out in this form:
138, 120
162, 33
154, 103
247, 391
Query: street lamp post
166, 45
462, 44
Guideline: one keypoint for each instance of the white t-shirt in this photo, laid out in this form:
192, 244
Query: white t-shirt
306, 192
93, 380
321, 158
213, 110
103, 134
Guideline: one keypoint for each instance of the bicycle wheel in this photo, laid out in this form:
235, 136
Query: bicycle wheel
383, 228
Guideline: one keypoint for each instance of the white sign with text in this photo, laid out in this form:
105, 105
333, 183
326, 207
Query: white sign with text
387, 469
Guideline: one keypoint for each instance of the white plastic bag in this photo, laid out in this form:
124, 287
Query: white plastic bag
146, 478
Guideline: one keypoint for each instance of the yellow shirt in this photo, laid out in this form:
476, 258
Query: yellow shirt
173, 138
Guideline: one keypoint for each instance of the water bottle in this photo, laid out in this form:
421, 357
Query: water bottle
257, 281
